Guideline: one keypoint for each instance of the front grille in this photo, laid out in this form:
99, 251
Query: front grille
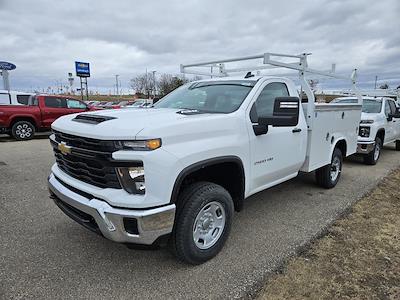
85, 143
89, 161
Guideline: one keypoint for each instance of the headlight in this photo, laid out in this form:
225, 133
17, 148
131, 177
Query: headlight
132, 179
367, 121
143, 145
364, 131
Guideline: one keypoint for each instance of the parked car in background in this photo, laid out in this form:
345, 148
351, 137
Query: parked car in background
100, 104
22, 121
379, 126
14, 97
92, 103
140, 103
112, 105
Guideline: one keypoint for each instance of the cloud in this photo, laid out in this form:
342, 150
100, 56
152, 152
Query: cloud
44, 37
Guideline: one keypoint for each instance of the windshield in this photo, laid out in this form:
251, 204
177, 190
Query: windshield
212, 96
372, 106
369, 106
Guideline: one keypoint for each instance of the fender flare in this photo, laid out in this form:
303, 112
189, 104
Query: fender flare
206, 163
335, 145
27, 116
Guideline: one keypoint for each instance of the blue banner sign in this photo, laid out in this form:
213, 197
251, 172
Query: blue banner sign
6, 66
82, 69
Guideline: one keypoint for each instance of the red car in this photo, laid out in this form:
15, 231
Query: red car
22, 121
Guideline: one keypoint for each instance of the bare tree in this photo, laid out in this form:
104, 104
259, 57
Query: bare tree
143, 83
167, 83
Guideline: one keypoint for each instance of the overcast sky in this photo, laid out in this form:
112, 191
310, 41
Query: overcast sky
44, 37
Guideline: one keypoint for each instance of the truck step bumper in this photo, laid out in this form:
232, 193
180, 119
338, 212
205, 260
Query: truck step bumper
142, 226
365, 147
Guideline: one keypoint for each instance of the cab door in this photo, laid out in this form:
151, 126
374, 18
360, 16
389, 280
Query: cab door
279, 153
52, 108
393, 121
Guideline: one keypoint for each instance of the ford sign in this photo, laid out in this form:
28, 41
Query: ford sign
6, 66
82, 69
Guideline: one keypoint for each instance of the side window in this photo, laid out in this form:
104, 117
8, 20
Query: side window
392, 107
5, 99
33, 100
55, 102
264, 105
387, 108
72, 103
23, 99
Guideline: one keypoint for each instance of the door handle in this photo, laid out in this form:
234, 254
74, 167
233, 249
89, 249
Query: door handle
296, 130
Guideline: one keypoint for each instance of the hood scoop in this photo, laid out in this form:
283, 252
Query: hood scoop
91, 119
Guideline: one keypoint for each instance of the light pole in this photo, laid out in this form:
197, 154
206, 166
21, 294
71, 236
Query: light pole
116, 83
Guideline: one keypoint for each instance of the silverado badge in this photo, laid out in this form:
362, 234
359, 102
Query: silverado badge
64, 148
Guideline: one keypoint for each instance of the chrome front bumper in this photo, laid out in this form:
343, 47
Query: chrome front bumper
111, 222
365, 147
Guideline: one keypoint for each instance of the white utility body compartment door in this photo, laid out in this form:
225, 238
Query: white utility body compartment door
330, 123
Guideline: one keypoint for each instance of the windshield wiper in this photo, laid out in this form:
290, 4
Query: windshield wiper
195, 111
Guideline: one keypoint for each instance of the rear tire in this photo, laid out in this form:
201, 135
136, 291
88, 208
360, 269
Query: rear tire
397, 145
373, 157
23, 130
328, 176
203, 222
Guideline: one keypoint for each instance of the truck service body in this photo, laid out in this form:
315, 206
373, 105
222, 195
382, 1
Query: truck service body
179, 171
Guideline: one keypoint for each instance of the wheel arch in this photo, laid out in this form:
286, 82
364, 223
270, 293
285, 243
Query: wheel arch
341, 144
213, 170
30, 119
381, 134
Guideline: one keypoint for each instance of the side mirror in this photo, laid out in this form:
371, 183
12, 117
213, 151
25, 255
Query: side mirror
285, 114
395, 115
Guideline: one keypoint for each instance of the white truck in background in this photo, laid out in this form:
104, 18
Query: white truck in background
14, 97
379, 126
177, 171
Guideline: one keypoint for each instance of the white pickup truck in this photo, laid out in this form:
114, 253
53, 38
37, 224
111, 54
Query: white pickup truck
379, 126
178, 171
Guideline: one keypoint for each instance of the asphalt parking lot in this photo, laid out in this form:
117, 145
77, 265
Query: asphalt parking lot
46, 255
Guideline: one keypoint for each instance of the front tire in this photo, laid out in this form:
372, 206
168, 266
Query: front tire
203, 222
397, 145
373, 157
328, 176
23, 130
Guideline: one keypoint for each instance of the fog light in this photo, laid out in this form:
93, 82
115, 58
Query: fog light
131, 226
132, 179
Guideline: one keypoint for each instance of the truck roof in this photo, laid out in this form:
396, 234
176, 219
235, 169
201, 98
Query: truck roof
15, 92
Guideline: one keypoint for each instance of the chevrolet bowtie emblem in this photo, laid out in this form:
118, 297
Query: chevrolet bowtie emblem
64, 148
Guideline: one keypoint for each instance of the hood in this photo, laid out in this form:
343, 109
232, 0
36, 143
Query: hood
128, 124
370, 116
